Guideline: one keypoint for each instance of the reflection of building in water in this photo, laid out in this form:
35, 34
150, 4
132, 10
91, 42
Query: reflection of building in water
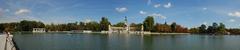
38, 30
125, 29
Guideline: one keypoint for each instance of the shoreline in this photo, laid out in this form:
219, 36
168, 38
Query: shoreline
144, 33
99, 32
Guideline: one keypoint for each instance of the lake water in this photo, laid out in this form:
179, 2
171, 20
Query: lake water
64, 41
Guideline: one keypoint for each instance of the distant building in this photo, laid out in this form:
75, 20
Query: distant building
124, 29
39, 30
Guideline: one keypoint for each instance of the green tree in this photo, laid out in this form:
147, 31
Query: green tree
173, 26
94, 26
72, 26
210, 29
202, 28
194, 30
119, 24
234, 31
29, 25
51, 27
104, 23
213, 29
137, 27
1, 27
221, 28
82, 25
148, 23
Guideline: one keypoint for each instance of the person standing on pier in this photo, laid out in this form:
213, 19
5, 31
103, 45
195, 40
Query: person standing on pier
7, 36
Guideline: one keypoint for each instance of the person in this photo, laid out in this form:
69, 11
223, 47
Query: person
8, 38
7, 34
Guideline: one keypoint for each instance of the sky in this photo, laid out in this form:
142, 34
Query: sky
188, 13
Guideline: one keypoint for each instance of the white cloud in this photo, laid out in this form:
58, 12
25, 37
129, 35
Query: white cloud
7, 10
158, 15
7, 19
231, 20
168, 5
205, 8
22, 11
142, 12
87, 20
121, 9
157, 5
235, 14
205, 23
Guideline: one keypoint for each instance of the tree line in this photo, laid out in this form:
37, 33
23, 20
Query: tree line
21, 26
102, 25
215, 28
149, 25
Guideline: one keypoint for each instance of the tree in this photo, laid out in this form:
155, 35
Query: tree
173, 27
221, 28
234, 31
194, 30
51, 27
215, 25
148, 23
29, 25
104, 24
210, 29
82, 25
119, 24
72, 26
214, 28
1, 27
93, 26
163, 28
137, 27
9, 26
202, 29
180, 29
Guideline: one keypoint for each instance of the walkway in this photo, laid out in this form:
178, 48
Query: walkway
9, 45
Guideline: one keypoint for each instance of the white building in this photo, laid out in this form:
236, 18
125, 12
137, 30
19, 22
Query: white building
39, 30
124, 29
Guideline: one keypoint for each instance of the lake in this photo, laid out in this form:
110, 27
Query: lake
65, 41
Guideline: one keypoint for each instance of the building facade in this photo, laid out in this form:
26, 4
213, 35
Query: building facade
39, 30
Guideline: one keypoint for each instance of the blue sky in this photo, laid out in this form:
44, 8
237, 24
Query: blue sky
189, 13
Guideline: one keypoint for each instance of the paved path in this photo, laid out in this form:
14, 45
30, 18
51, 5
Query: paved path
3, 41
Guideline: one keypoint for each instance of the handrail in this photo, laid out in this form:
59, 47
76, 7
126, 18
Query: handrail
5, 46
15, 44
10, 40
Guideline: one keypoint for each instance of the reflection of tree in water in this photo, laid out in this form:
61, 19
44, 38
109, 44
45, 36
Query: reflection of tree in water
176, 42
173, 42
148, 42
104, 42
217, 41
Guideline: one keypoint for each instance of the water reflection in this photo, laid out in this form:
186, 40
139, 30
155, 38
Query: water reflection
64, 41
148, 42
